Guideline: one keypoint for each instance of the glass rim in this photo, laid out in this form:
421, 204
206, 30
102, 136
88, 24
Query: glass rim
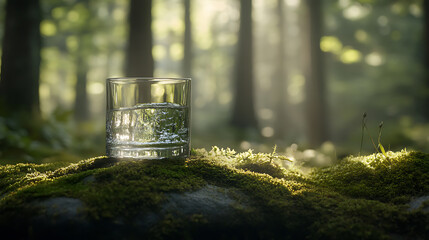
148, 79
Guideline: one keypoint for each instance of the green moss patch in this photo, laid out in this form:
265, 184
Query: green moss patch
397, 177
358, 198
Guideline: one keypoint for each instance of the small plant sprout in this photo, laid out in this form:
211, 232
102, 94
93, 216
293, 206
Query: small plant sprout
363, 127
366, 129
380, 128
274, 155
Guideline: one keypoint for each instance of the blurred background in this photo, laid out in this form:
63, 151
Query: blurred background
299, 74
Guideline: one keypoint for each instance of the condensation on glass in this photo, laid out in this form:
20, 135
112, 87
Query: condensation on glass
148, 118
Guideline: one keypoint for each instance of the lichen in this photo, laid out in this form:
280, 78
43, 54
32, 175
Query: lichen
358, 198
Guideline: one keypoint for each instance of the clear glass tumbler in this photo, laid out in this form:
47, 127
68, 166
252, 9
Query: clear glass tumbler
148, 118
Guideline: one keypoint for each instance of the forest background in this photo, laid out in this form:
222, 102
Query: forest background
292, 73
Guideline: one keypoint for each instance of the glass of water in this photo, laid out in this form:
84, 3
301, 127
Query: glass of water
148, 118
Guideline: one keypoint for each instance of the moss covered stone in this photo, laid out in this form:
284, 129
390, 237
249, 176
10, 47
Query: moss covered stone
218, 194
396, 176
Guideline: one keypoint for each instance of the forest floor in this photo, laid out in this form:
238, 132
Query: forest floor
219, 194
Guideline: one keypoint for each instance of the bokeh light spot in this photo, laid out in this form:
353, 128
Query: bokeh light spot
95, 88
119, 14
355, 11
72, 43
266, 113
361, 36
350, 55
267, 132
48, 28
176, 50
245, 145
382, 21
158, 52
330, 44
58, 12
293, 3
416, 10
374, 59
73, 16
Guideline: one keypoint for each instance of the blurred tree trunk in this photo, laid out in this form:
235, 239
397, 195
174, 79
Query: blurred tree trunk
19, 83
139, 58
315, 82
187, 59
110, 62
81, 103
243, 115
425, 109
280, 106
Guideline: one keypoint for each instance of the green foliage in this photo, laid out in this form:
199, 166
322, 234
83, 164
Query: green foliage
46, 140
28, 142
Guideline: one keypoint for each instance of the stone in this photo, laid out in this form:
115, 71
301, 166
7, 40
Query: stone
217, 195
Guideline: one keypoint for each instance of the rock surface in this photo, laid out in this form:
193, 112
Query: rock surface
217, 195
67, 215
418, 203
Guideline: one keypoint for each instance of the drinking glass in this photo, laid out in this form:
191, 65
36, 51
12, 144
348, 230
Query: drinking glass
148, 118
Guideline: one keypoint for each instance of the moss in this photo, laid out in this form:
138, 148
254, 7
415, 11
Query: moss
129, 188
398, 176
359, 198
15, 176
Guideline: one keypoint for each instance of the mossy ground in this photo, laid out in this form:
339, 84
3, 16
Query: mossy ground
358, 198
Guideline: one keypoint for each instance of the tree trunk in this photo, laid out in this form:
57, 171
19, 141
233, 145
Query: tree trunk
315, 82
81, 104
139, 53
187, 59
19, 84
281, 121
243, 115
425, 109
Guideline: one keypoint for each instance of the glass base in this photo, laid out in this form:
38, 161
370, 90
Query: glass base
138, 152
